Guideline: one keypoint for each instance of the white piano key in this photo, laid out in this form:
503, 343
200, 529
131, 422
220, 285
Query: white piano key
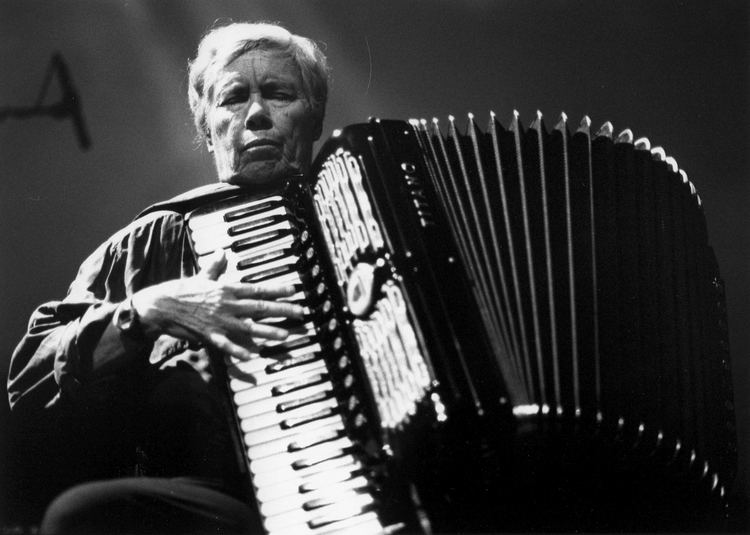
272, 271
297, 298
265, 482
215, 213
314, 455
288, 279
352, 505
217, 219
278, 364
277, 385
322, 480
285, 443
253, 421
315, 480
239, 368
237, 272
261, 255
277, 353
306, 329
232, 273
274, 403
239, 380
209, 239
282, 244
297, 501
275, 432
265, 266
364, 524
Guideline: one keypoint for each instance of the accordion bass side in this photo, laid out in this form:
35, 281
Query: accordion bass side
522, 329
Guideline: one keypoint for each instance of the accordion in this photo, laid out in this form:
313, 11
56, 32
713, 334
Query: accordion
517, 329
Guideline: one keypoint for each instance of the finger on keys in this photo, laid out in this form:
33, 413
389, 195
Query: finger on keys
264, 291
256, 308
222, 343
263, 330
217, 264
237, 374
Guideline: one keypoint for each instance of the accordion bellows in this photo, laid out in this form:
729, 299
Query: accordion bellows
590, 298
524, 329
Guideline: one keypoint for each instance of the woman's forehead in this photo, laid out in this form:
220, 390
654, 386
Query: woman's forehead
259, 65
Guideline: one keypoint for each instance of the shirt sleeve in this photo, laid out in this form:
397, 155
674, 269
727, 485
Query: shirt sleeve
53, 360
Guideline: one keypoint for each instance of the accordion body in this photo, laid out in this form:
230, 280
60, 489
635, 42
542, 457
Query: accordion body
516, 329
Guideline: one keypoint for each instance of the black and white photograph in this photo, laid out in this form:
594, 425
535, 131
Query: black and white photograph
374, 267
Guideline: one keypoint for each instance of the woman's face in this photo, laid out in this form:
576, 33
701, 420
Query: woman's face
261, 126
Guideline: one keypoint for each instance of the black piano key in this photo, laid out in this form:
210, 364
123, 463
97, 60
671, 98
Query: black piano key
260, 239
263, 257
290, 362
268, 274
312, 460
322, 483
297, 403
255, 224
331, 519
249, 211
285, 388
291, 423
313, 440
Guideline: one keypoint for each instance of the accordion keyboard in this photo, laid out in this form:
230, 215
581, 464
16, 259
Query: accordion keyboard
306, 470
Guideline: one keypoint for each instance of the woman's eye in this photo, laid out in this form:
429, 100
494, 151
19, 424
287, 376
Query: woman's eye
280, 94
231, 97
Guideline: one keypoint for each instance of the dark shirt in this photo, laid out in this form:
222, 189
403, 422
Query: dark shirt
164, 404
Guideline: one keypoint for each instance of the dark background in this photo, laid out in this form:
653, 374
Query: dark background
676, 72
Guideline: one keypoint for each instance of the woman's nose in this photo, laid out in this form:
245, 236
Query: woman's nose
258, 117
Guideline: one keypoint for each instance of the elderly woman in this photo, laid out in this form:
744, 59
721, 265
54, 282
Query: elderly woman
118, 369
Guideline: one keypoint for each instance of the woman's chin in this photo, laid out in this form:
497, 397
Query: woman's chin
258, 175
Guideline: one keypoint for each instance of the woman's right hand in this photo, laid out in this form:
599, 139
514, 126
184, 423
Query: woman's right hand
221, 315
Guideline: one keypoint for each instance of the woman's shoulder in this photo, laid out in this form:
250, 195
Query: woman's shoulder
192, 199
168, 216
